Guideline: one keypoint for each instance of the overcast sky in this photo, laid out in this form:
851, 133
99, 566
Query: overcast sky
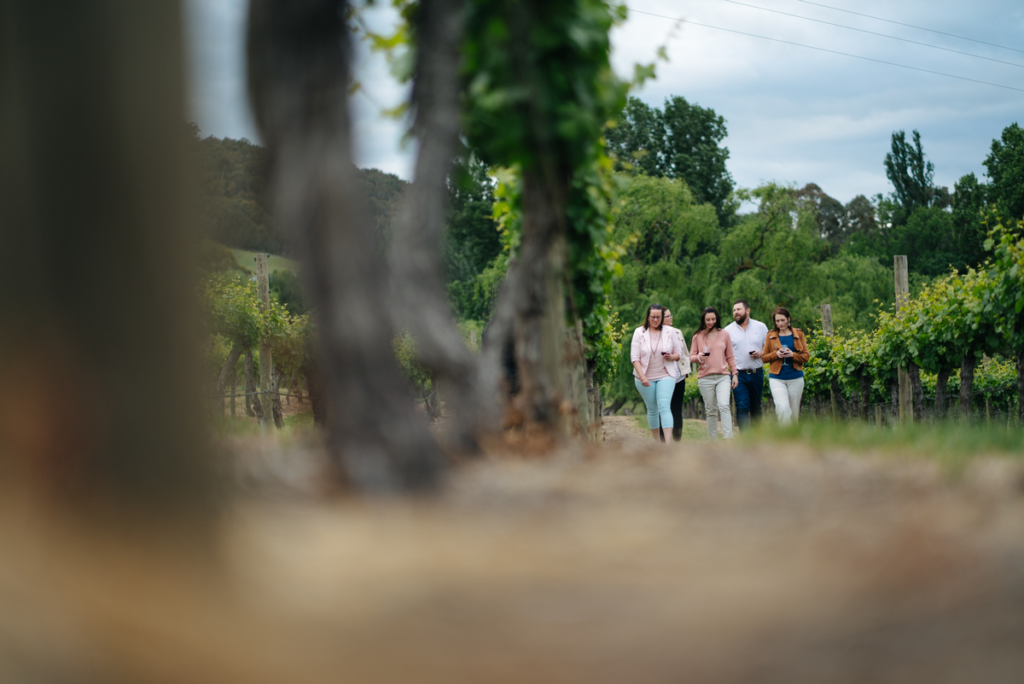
794, 114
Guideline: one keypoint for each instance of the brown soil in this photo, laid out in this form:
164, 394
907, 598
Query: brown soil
618, 562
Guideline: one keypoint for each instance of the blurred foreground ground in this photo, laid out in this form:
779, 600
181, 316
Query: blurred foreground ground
618, 562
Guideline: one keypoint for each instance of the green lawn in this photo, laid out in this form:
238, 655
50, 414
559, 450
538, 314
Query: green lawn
275, 263
951, 443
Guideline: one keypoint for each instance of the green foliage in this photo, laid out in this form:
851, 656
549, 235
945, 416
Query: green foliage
680, 258
660, 220
929, 237
1005, 165
853, 285
957, 315
474, 298
829, 214
927, 234
594, 256
767, 256
474, 261
970, 221
538, 81
230, 178
404, 347
912, 175
286, 287
1003, 300
232, 309
383, 193
683, 141
915, 219
233, 314
472, 241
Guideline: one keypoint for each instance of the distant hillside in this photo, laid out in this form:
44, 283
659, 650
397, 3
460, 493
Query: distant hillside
234, 209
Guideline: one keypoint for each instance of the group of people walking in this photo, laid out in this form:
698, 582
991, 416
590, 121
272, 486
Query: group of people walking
729, 359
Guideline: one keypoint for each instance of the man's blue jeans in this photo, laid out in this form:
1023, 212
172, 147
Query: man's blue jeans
748, 398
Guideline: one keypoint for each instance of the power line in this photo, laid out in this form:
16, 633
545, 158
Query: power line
875, 33
834, 52
920, 28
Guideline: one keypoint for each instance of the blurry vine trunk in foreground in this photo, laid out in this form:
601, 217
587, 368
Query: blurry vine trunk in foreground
420, 303
102, 401
298, 55
538, 302
540, 91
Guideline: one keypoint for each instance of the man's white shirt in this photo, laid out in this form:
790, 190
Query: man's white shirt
746, 341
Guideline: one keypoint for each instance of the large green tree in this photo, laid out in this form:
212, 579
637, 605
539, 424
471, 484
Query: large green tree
970, 221
472, 240
914, 219
912, 176
828, 212
683, 141
1005, 165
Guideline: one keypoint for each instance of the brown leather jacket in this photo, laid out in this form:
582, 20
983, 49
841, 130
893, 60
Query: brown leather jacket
772, 346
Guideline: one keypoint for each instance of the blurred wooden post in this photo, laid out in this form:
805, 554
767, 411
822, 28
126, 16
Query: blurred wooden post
902, 298
266, 362
878, 416
95, 270
472, 339
826, 327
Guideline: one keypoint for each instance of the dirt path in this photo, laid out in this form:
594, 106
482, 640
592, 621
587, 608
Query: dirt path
611, 563
619, 430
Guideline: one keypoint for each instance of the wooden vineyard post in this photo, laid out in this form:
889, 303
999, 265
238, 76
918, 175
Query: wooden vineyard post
902, 298
826, 327
266, 362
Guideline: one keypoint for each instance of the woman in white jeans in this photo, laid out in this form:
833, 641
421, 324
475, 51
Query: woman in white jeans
786, 350
711, 349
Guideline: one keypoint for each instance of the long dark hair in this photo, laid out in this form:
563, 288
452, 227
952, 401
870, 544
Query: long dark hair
784, 312
705, 312
647, 318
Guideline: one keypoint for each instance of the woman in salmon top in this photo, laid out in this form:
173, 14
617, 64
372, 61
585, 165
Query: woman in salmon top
654, 351
711, 348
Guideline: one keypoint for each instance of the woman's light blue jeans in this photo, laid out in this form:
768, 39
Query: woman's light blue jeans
658, 399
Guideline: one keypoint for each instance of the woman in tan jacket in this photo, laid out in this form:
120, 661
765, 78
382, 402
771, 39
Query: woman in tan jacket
785, 349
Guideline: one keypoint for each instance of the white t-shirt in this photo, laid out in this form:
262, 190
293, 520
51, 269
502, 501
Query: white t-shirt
746, 341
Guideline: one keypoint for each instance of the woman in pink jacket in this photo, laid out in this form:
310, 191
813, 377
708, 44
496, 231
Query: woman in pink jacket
711, 348
654, 353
